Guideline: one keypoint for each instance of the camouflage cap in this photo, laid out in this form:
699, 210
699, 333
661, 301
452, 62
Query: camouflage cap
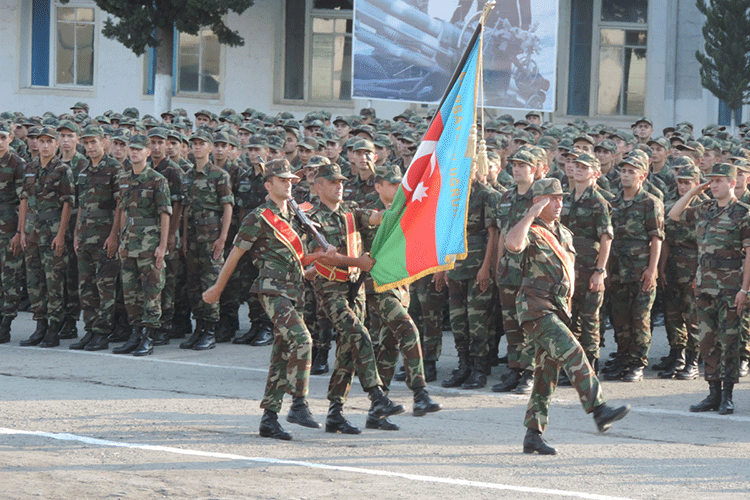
226, 112
498, 142
667, 130
712, 129
506, 119
742, 165
580, 124
382, 141
640, 155
168, 113
92, 131
607, 145
276, 142
81, 105
585, 138
406, 114
636, 162
661, 141
524, 156
565, 144
589, 160
367, 129
248, 112
547, 187
34, 131
522, 136
415, 119
547, 142
682, 162
203, 135
309, 143
279, 168
4, 128
233, 119
315, 123
257, 141
221, 137
521, 122
410, 136
32, 121
248, 127
138, 141
131, 113
363, 144
367, 112
69, 125
107, 129
317, 161
342, 119
122, 135
389, 173
689, 172
533, 127
534, 112
203, 112
643, 120
159, 132
103, 119
331, 171
723, 170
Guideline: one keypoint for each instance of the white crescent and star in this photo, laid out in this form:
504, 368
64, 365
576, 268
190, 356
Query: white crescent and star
427, 148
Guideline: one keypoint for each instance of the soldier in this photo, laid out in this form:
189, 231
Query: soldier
146, 210
12, 169
43, 215
362, 183
95, 240
208, 215
343, 300
722, 281
587, 214
545, 249
638, 223
644, 127
269, 232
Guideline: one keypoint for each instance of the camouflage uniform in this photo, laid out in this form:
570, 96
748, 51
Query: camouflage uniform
635, 223
12, 169
72, 300
280, 294
431, 303
47, 190
144, 198
206, 193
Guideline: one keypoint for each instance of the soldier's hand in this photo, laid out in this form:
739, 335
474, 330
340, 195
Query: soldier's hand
159, 254
15, 244
662, 280
648, 280
439, 279
75, 243
366, 262
171, 243
537, 207
212, 295
740, 302
702, 187
58, 245
218, 248
110, 246
483, 279
310, 273
596, 283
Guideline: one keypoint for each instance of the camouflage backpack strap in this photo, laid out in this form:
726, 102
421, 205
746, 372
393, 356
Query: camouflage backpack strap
567, 262
285, 234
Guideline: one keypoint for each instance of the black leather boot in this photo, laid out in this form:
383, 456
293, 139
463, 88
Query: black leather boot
526, 384
98, 343
534, 443
712, 402
225, 330
181, 325
320, 363
271, 428
299, 414
335, 421
208, 339
667, 361
195, 337
162, 335
146, 345
132, 343
605, 416
633, 374
463, 372
377, 423
120, 333
249, 335
478, 376
423, 403
38, 335
382, 406
726, 406
52, 337
690, 372
81, 344
678, 363
430, 371
68, 329
265, 335
510, 382
5, 329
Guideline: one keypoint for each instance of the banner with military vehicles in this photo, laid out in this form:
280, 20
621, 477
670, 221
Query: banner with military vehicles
407, 50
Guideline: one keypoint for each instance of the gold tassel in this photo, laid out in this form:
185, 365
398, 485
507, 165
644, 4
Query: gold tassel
471, 144
481, 160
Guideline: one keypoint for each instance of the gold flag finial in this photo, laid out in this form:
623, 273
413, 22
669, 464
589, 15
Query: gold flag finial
486, 10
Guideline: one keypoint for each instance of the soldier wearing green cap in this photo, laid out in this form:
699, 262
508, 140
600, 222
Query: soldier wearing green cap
46, 203
362, 183
545, 250
722, 281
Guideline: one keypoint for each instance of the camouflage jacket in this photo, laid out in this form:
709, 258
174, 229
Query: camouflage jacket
77, 164
280, 274
510, 209
21, 149
634, 222
682, 260
251, 192
47, 190
481, 215
355, 189
175, 178
589, 219
206, 193
98, 189
235, 169
723, 236
144, 198
12, 169
545, 285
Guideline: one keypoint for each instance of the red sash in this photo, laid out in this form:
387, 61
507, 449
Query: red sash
352, 250
285, 234
565, 258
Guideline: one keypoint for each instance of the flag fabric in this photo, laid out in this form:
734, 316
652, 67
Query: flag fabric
424, 230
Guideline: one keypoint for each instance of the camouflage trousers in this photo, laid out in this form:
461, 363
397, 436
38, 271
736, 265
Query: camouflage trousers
354, 351
720, 344
72, 301
397, 332
97, 287
202, 271
556, 348
318, 323
431, 303
11, 280
680, 316
142, 284
470, 313
585, 318
229, 304
255, 311
45, 281
631, 319
291, 353
172, 270
520, 350
181, 301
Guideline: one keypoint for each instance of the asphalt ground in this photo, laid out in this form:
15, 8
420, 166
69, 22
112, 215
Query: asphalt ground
184, 424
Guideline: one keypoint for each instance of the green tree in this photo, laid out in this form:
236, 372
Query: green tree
725, 65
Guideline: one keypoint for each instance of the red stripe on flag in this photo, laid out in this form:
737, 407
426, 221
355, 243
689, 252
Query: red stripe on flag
418, 225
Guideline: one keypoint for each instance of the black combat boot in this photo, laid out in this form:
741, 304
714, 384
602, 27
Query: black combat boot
120, 332
510, 382
226, 329
667, 361
100, 342
68, 329
423, 403
247, 337
320, 363
712, 402
38, 335
690, 371
132, 343
271, 428
382, 406
375, 422
726, 406
146, 345
400, 375
196, 335
605, 416
430, 371
265, 335
633, 374
299, 414
208, 339
478, 376
52, 337
335, 421
534, 443
463, 372
594, 362
678, 363
5, 329
81, 344
526, 384
162, 335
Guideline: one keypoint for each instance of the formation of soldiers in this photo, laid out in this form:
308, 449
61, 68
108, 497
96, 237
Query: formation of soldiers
127, 221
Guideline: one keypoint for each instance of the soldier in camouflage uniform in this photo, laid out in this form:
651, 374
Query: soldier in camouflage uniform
638, 223
431, 297
208, 215
95, 240
545, 250
271, 234
46, 204
343, 300
12, 169
146, 210
722, 281
362, 183
587, 214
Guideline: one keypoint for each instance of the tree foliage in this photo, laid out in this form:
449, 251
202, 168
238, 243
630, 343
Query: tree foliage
725, 66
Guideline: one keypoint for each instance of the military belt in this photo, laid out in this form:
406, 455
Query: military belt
142, 221
277, 275
546, 286
691, 252
43, 216
97, 213
714, 263
205, 221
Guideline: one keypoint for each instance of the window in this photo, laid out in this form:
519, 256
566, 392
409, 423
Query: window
318, 50
613, 80
62, 44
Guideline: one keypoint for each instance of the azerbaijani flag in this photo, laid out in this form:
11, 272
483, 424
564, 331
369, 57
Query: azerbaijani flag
424, 230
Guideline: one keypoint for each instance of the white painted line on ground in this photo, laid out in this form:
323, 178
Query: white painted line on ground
312, 465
